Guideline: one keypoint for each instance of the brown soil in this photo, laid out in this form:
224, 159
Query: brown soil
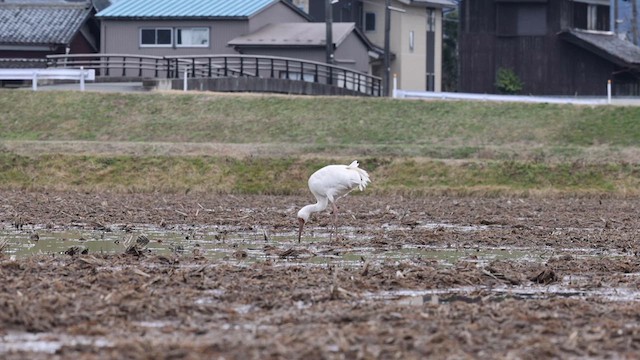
148, 306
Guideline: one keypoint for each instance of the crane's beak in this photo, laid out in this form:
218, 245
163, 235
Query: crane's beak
301, 221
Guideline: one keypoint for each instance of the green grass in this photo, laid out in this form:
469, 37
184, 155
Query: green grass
411, 147
308, 120
288, 175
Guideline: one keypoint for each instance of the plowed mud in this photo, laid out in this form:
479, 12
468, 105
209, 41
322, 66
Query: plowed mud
574, 294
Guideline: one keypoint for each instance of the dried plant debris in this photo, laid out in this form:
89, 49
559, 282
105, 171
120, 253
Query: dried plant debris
296, 253
142, 241
546, 276
137, 247
572, 294
76, 250
4, 244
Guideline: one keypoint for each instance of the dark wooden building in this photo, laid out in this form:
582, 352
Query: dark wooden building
555, 47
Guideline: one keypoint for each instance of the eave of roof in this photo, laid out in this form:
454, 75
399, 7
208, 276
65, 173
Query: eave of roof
605, 45
296, 35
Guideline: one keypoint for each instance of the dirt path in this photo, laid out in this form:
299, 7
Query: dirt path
578, 298
514, 151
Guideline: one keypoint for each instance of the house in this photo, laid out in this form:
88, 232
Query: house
415, 36
626, 25
554, 47
308, 41
219, 27
194, 27
30, 30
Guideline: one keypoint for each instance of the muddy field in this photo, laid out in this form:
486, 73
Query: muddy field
405, 278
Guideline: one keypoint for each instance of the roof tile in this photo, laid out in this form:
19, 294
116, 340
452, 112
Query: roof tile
35, 24
624, 52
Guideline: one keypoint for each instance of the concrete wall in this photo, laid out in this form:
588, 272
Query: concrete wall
251, 84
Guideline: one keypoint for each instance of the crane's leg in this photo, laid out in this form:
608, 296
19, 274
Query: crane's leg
335, 220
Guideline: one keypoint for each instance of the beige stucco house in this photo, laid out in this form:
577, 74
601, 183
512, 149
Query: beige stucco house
415, 36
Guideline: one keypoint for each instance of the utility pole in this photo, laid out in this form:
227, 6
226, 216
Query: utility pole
615, 17
634, 21
387, 46
328, 15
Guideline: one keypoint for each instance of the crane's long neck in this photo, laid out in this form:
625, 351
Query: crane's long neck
307, 210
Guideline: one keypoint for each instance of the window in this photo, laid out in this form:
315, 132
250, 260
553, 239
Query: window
192, 37
370, 21
156, 37
412, 41
591, 16
179, 37
521, 19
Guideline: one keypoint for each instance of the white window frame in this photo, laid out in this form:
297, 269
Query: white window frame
155, 45
192, 45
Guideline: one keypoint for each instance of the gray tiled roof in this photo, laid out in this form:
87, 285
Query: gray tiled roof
606, 45
41, 24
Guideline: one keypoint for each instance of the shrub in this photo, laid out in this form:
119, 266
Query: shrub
508, 82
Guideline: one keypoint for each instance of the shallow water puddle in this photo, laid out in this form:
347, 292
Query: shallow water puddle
213, 242
434, 226
477, 294
45, 342
241, 245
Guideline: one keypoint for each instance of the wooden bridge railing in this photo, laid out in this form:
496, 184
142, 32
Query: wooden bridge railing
217, 66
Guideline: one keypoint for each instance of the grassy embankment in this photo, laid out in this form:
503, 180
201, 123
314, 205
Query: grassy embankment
270, 144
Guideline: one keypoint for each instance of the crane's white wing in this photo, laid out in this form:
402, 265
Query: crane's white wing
335, 181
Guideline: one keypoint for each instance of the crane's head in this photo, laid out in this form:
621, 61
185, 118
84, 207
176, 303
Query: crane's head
303, 217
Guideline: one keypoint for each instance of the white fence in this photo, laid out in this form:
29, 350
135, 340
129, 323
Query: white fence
34, 75
403, 94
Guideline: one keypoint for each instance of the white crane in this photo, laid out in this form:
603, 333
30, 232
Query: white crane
328, 185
